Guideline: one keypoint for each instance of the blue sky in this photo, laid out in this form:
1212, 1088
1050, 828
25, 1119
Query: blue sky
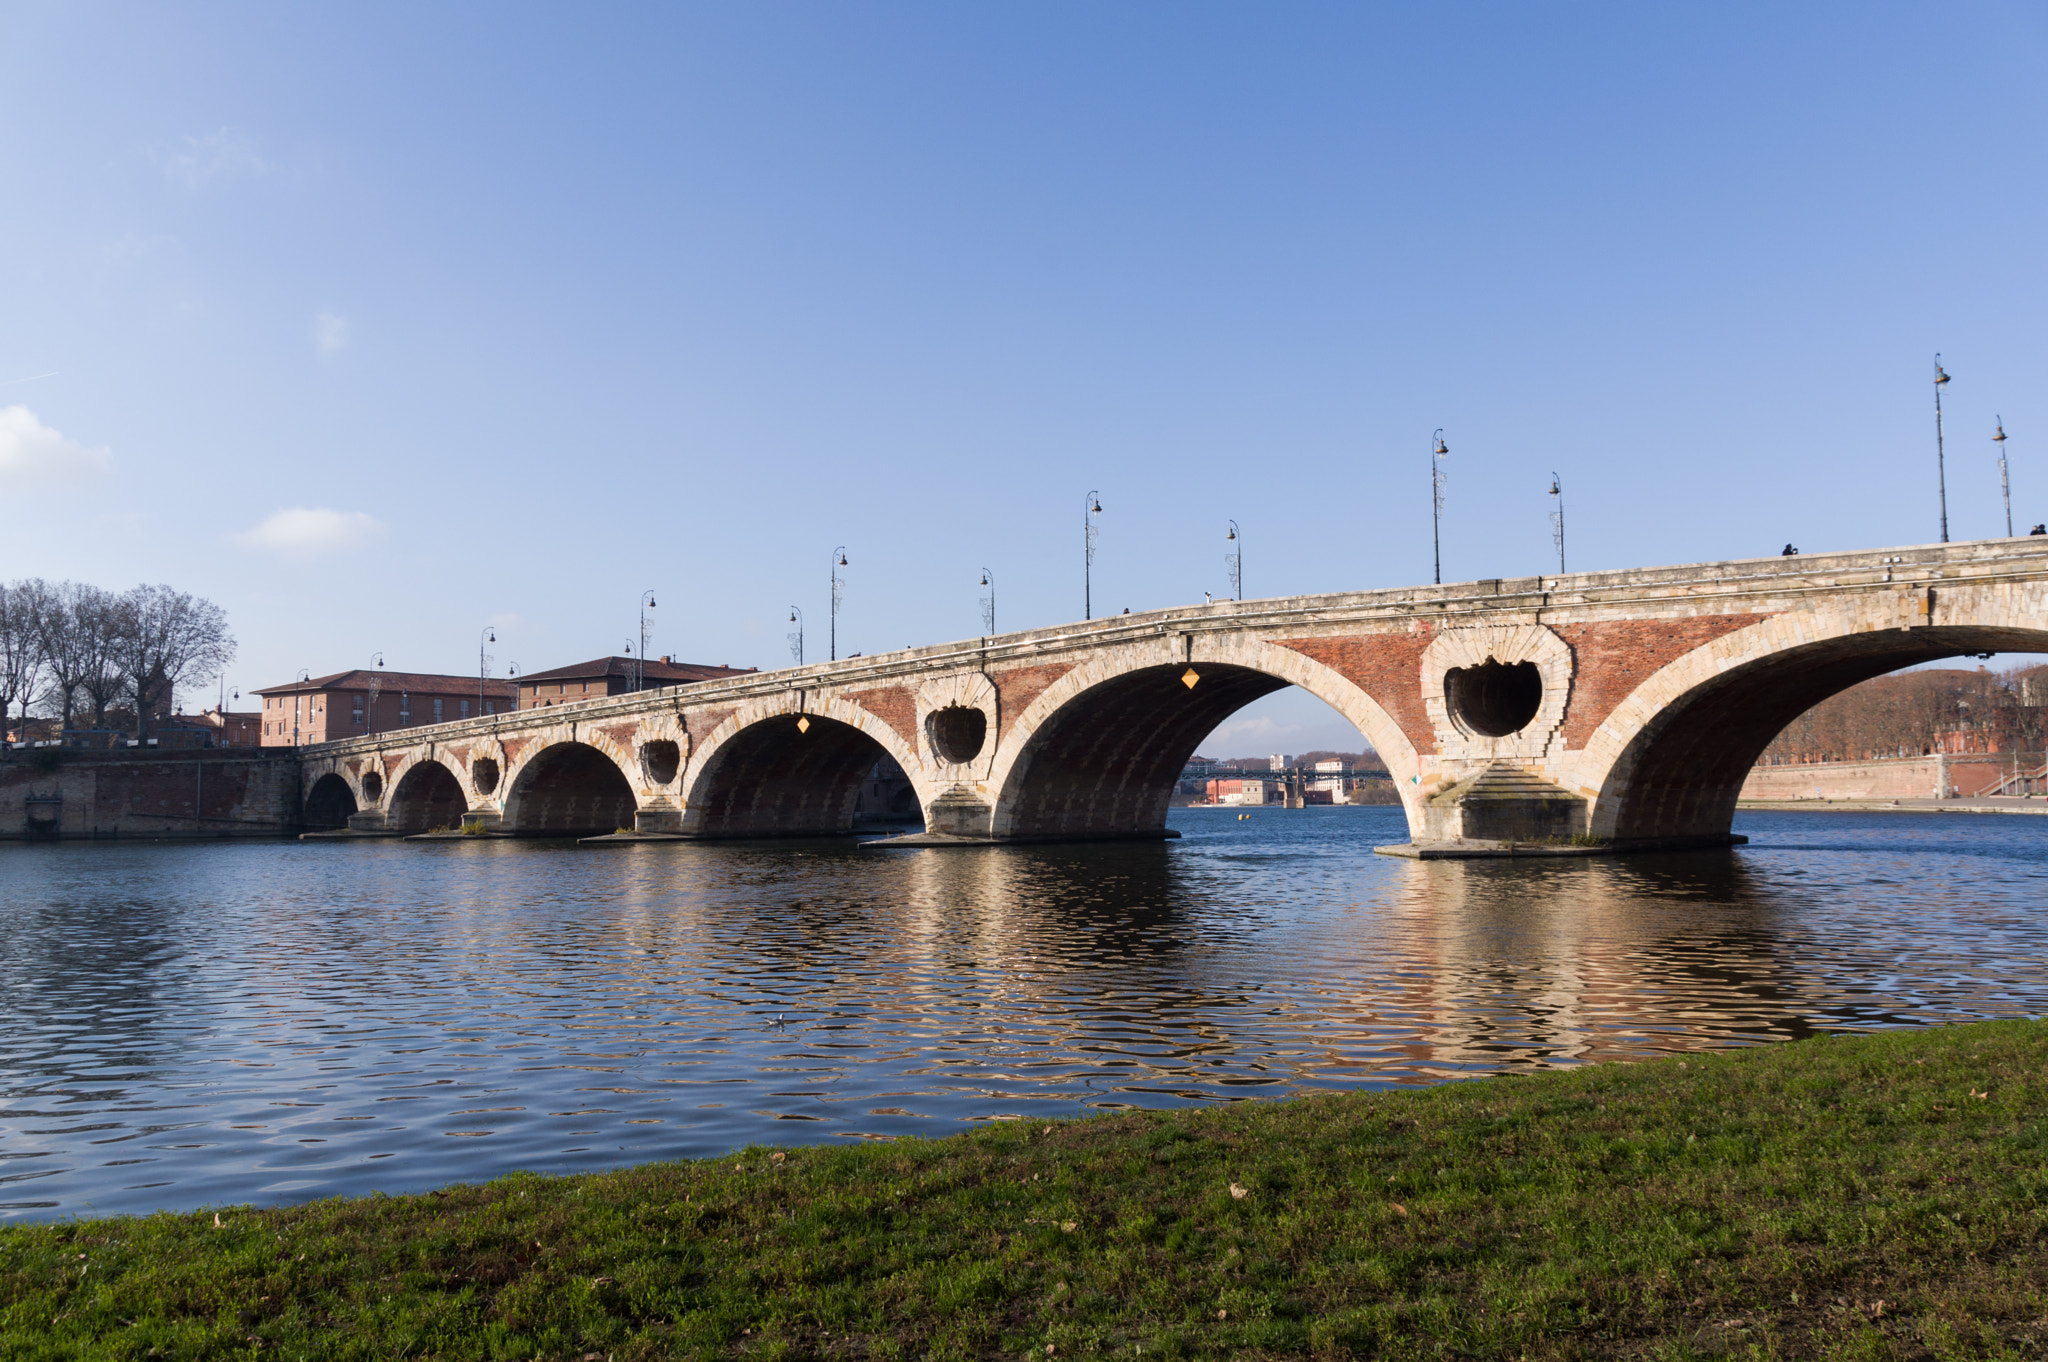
381, 324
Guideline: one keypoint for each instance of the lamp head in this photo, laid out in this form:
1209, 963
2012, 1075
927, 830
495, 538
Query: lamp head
651, 602
984, 579
2000, 437
1231, 533
1555, 490
1095, 505
1940, 374
842, 560
1441, 448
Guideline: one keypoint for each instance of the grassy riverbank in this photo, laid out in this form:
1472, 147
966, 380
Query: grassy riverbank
1870, 1198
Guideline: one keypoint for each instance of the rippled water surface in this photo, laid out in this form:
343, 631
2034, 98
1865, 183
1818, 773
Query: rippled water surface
183, 1025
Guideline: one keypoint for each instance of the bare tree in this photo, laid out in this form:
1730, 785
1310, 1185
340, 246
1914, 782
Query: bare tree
168, 639
21, 650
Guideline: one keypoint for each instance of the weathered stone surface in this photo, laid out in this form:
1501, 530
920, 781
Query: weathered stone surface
1642, 699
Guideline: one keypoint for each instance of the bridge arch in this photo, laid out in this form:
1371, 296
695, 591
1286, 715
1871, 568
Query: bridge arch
426, 794
569, 789
329, 802
1098, 753
790, 767
1672, 757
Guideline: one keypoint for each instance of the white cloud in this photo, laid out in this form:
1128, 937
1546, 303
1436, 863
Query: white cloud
307, 532
330, 333
217, 155
34, 454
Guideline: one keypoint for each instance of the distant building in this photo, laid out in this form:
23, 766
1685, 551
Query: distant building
355, 704
613, 676
1238, 790
1279, 761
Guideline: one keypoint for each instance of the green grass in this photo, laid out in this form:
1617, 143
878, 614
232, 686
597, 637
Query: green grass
1842, 1198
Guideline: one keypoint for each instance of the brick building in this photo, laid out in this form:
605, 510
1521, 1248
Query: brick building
329, 708
613, 676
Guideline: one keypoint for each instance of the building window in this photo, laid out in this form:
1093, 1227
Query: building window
437, 709
489, 707
404, 708
359, 711
464, 708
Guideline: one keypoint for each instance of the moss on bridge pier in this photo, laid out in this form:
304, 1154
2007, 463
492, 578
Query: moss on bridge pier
1876, 1197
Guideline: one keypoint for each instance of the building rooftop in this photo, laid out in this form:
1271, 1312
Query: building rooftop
658, 669
417, 683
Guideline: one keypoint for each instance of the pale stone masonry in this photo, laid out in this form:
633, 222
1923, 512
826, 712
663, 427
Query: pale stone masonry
1622, 706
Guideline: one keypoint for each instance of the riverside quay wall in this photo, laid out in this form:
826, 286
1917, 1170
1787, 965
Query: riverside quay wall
58, 794
1941, 776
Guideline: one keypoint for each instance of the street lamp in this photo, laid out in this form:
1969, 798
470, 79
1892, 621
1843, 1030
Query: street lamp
1089, 506
376, 685
1557, 520
1438, 451
1940, 464
483, 663
838, 562
646, 604
796, 639
305, 675
1235, 561
2004, 483
988, 604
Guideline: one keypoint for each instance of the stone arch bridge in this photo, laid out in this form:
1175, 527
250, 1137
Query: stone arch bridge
1620, 706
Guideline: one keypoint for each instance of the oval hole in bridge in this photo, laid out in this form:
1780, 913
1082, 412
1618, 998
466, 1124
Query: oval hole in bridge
660, 760
957, 733
1494, 698
483, 773
373, 786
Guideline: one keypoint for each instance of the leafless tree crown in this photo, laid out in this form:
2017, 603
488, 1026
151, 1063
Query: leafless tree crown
71, 649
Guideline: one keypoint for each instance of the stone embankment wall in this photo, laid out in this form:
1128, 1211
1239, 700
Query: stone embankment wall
1936, 777
54, 794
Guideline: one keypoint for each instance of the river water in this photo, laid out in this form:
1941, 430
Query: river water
183, 1025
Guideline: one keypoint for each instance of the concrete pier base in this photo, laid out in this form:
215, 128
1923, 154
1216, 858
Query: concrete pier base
1475, 849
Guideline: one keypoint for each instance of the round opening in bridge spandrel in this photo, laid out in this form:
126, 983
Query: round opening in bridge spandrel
1494, 698
373, 786
660, 760
957, 733
483, 773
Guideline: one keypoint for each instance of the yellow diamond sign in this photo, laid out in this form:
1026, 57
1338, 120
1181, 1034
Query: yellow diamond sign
1189, 677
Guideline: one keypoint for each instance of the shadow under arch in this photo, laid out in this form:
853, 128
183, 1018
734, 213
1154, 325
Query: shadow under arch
570, 789
1104, 764
773, 778
1681, 773
427, 796
328, 804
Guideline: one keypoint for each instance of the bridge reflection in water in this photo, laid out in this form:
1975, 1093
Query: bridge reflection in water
186, 1024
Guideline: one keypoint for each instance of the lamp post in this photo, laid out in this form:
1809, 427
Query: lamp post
483, 663
838, 562
1235, 561
1438, 451
376, 685
305, 674
1557, 520
1940, 463
1090, 506
512, 674
988, 604
646, 604
2004, 483
796, 638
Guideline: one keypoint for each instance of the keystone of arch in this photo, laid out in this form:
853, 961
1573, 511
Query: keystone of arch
1539, 739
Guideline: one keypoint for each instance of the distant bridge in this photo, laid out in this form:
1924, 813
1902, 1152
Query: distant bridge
1625, 706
